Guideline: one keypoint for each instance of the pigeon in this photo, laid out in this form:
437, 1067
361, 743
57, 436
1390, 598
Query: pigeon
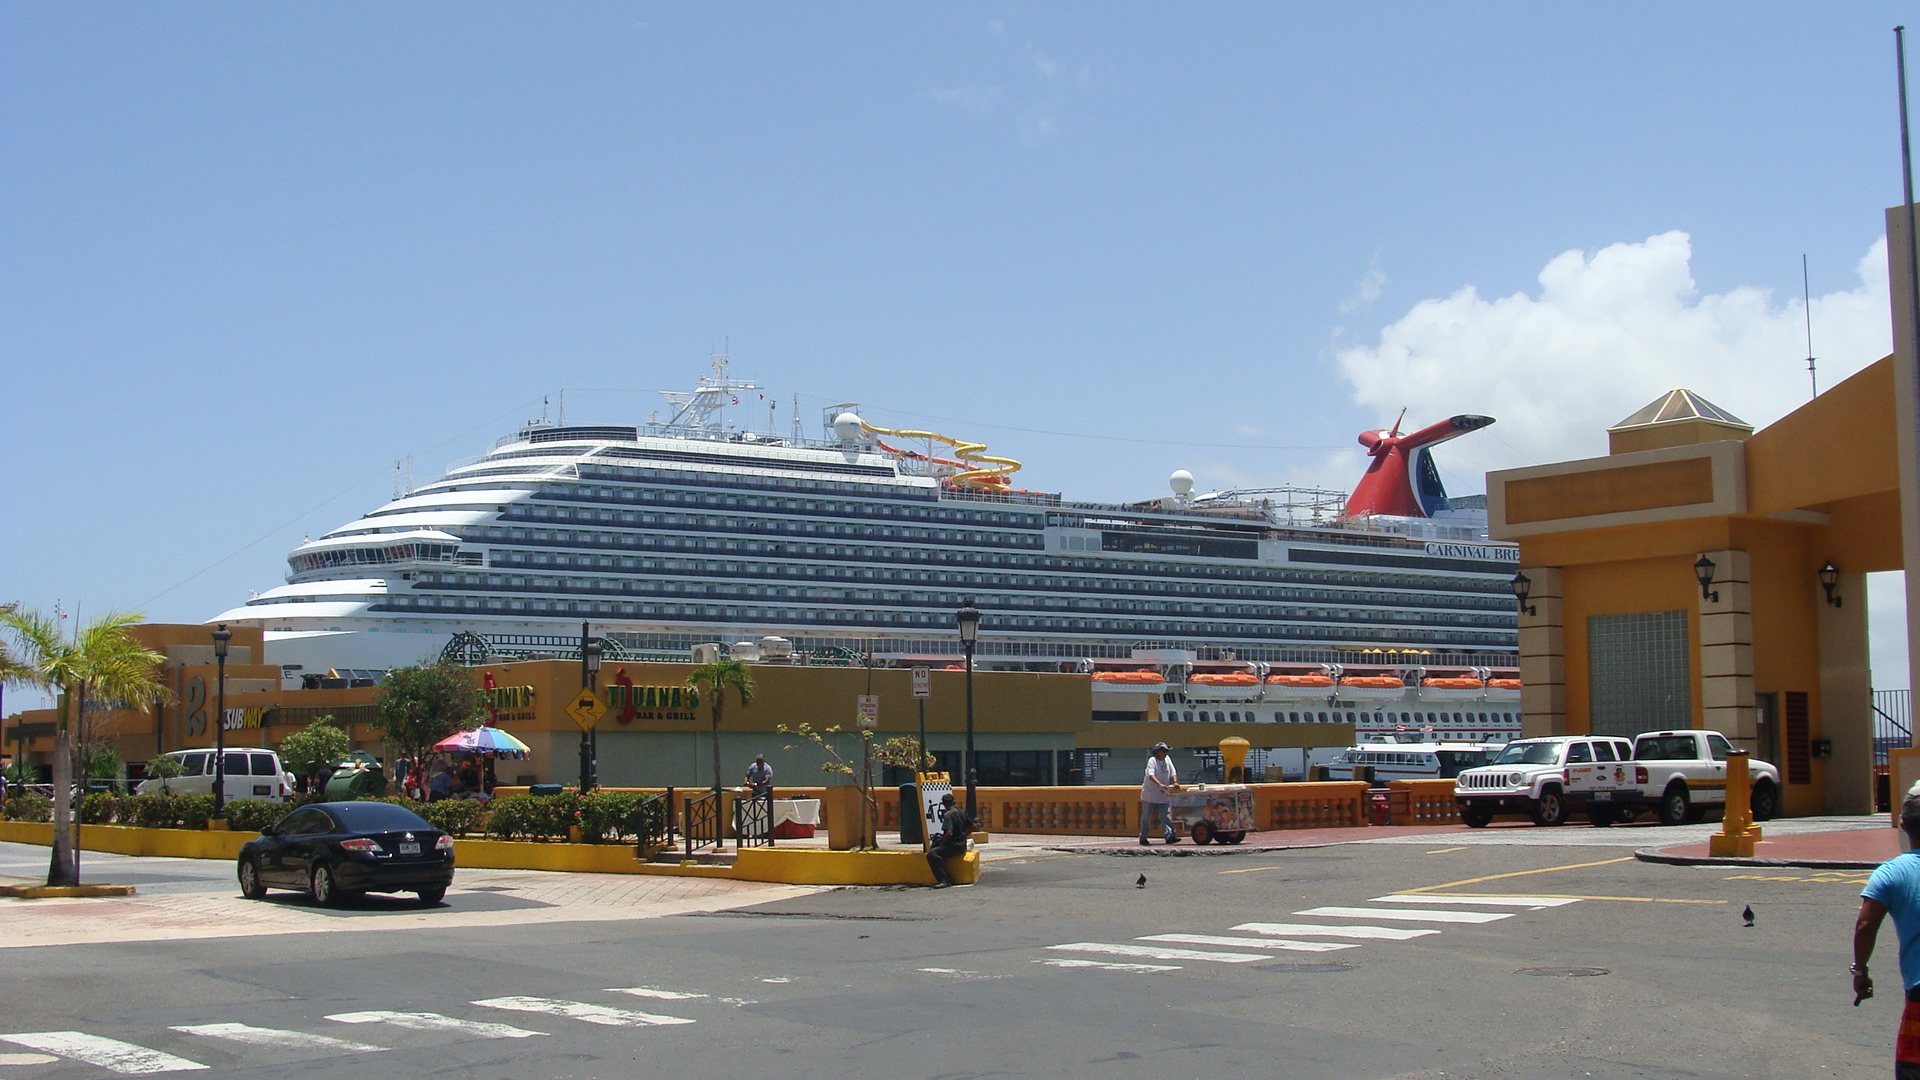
1747, 914
1141, 882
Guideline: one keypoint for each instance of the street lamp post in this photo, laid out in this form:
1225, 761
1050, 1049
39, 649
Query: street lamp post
589, 680
221, 636
968, 619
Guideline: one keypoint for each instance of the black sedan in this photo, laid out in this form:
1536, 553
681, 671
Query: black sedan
339, 850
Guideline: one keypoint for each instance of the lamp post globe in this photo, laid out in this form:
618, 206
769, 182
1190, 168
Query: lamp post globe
968, 621
221, 636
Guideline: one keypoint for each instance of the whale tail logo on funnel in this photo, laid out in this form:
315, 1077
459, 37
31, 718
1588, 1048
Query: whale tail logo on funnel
1401, 479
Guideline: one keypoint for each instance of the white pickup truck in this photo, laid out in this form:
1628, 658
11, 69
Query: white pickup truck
1684, 775
1551, 778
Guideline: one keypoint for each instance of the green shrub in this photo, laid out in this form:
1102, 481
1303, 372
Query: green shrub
252, 815
608, 817
453, 816
532, 817
102, 808
192, 811
170, 811
26, 806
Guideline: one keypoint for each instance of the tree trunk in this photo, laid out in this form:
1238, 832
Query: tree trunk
716, 746
60, 871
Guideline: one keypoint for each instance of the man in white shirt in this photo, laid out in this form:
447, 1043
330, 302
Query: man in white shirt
1156, 794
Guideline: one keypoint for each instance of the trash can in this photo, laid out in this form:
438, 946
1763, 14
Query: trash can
349, 782
911, 831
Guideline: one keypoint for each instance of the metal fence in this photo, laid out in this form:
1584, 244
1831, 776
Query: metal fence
1892, 722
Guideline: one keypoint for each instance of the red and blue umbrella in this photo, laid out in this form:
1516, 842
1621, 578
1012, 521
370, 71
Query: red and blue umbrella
483, 740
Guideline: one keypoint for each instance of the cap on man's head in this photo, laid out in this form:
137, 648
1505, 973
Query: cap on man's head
1160, 746
759, 757
1910, 811
947, 799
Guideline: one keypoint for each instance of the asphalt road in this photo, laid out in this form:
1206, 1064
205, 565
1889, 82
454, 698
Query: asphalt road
1502, 960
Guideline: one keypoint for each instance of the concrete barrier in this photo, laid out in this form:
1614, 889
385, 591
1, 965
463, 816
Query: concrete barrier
1423, 802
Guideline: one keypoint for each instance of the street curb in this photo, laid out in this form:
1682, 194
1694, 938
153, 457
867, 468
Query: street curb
1657, 855
44, 892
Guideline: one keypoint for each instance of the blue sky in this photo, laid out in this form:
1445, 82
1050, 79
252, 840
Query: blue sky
252, 254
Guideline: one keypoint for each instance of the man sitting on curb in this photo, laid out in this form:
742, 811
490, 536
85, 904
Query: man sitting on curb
951, 840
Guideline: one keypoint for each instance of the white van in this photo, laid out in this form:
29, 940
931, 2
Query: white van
252, 773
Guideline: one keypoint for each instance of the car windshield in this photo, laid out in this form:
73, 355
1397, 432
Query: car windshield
1539, 753
377, 817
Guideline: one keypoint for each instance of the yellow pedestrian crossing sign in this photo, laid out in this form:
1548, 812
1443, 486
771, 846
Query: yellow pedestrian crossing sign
586, 709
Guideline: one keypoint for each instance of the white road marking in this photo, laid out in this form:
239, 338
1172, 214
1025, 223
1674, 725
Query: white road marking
1408, 914
676, 995
274, 1037
1102, 965
580, 1010
1374, 933
426, 1021
776, 980
958, 973
1247, 943
110, 1054
1161, 953
1489, 901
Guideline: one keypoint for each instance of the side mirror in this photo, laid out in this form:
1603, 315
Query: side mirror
269, 830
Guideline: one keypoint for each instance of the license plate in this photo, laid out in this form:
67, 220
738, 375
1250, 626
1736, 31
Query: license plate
262, 789
409, 849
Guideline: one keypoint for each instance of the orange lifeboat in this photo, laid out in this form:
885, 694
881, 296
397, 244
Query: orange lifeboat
1300, 680
1374, 682
1463, 683
1503, 684
1128, 677
1225, 680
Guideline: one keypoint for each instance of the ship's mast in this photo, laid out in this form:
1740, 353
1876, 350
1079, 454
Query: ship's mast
698, 410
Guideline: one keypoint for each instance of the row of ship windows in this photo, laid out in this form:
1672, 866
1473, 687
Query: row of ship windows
775, 526
1134, 569
784, 504
1232, 716
521, 560
996, 621
949, 601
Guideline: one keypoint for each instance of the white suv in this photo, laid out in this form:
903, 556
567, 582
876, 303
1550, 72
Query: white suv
1550, 779
252, 773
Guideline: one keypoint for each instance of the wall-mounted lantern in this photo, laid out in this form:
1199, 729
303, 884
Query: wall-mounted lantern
1829, 577
1704, 571
1522, 588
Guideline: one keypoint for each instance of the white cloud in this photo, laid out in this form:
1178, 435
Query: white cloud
1369, 288
1606, 334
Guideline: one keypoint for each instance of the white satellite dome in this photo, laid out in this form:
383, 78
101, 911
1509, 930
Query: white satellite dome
1181, 482
847, 427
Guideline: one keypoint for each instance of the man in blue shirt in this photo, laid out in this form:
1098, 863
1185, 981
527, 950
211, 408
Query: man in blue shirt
1895, 888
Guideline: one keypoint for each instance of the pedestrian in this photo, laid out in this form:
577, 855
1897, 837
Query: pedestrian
1156, 794
1895, 888
760, 777
951, 840
441, 785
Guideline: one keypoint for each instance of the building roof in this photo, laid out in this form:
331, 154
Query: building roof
1681, 404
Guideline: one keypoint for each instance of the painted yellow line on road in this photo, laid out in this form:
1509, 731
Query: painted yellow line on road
1518, 873
1253, 869
1444, 850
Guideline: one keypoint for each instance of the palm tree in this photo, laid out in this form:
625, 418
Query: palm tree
717, 677
103, 661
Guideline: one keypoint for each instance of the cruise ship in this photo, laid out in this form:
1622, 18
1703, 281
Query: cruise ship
862, 541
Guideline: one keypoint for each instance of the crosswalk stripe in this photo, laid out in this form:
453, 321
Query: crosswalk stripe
1281, 944
426, 1021
677, 995
290, 1040
580, 1010
1155, 952
1103, 965
1408, 914
111, 1054
1374, 933
1489, 901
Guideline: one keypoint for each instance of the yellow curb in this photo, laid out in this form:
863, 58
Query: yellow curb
42, 892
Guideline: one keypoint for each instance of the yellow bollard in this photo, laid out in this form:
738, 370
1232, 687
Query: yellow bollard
1233, 759
1737, 831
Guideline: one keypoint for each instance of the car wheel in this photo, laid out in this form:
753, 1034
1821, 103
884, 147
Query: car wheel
1233, 837
250, 886
1766, 801
1675, 807
326, 891
1551, 808
1203, 834
1600, 816
430, 897
1476, 817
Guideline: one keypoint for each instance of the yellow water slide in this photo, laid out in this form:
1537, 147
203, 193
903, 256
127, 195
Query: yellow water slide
977, 469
